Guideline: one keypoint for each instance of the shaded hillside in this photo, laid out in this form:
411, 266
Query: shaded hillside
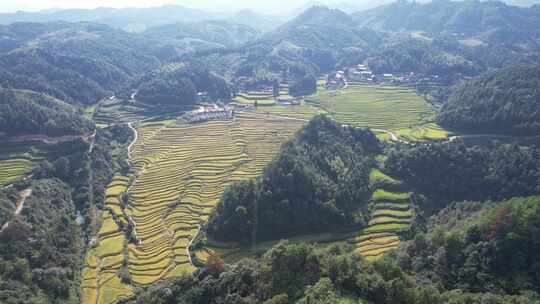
321, 28
504, 101
480, 248
481, 261
78, 63
446, 172
25, 112
318, 182
219, 33
179, 84
490, 19
40, 251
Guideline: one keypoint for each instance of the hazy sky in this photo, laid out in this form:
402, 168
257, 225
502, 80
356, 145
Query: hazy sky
272, 6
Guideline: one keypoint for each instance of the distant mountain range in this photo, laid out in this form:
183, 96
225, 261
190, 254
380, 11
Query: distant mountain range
362, 5
141, 19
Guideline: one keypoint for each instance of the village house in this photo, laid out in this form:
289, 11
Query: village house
209, 112
388, 77
287, 101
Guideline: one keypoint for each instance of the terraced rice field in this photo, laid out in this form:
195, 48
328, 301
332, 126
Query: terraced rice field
301, 111
391, 214
182, 171
116, 111
262, 99
18, 158
427, 131
14, 169
381, 107
101, 283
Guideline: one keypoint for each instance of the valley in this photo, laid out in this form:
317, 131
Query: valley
170, 155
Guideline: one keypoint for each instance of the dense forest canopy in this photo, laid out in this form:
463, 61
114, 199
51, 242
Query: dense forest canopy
504, 101
468, 18
215, 33
446, 172
489, 257
494, 249
179, 83
25, 112
40, 250
318, 182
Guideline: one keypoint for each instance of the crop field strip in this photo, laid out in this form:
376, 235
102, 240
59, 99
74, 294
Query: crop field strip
116, 111
427, 131
13, 169
182, 171
381, 107
101, 283
295, 111
262, 98
391, 214
18, 158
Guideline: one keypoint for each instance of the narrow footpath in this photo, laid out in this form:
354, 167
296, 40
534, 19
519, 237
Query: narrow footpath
23, 195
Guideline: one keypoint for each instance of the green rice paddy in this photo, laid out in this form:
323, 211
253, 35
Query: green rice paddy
382, 107
391, 214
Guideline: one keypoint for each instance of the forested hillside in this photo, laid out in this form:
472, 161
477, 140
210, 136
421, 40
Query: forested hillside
490, 256
40, 250
322, 28
504, 101
213, 33
179, 83
80, 63
446, 172
481, 248
467, 18
26, 112
319, 182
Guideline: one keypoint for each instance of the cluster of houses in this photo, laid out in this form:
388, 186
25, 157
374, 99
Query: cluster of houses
287, 101
209, 112
338, 80
362, 73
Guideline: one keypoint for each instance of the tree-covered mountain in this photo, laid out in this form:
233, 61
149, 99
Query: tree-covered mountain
504, 101
452, 37
322, 28
27, 112
466, 18
318, 182
215, 33
179, 84
446, 172
77, 62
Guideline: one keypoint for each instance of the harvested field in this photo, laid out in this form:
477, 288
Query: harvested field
101, 283
391, 214
182, 171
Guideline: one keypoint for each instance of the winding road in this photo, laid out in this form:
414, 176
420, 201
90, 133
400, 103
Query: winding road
23, 195
135, 138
